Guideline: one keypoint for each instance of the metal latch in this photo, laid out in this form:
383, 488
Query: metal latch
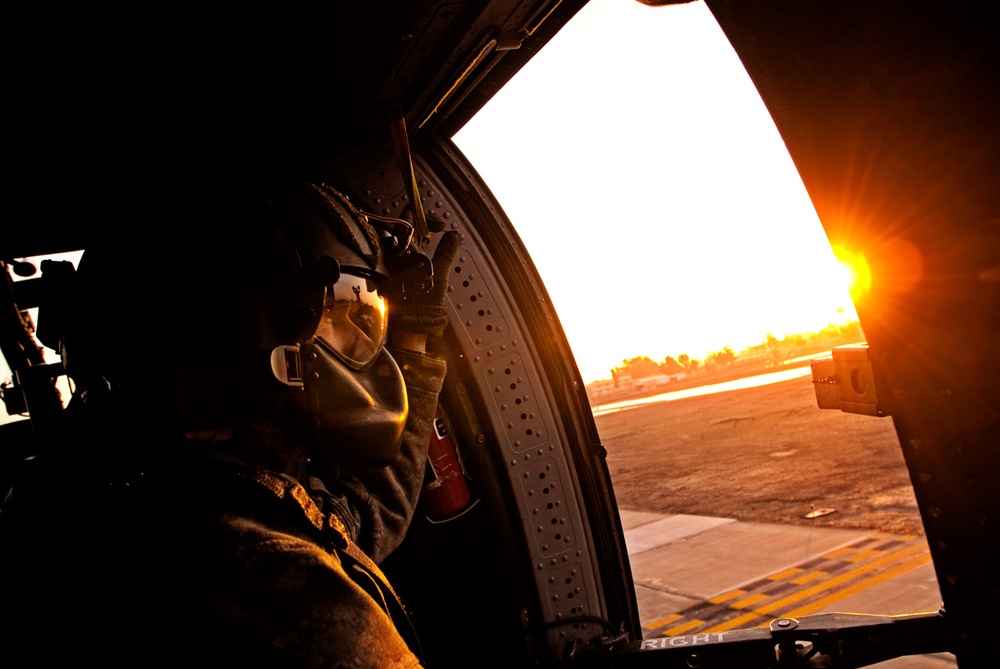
845, 381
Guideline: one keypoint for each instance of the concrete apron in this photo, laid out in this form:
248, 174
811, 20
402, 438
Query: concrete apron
698, 575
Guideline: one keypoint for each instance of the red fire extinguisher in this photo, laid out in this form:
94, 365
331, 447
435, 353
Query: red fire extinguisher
446, 495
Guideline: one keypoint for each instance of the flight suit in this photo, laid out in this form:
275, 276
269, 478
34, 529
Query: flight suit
213, 561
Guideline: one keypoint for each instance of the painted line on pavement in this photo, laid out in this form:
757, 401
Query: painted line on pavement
801, 589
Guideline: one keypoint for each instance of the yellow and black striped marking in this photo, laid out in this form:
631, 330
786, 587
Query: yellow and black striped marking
800, 590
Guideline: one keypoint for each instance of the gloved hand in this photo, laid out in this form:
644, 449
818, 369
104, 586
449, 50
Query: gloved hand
424, 313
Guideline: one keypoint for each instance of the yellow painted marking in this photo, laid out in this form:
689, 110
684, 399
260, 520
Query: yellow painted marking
663, 621
718, 599
747, 602
842, 578
680, 629
909, 565
733, 623
912, 556
781, 575
839, 552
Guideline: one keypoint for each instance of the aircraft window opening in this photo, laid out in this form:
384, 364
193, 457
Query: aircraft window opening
748, 270
63, 383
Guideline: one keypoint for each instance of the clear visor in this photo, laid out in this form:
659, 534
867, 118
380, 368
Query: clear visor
353, 323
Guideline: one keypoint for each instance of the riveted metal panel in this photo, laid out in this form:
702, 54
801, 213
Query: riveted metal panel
525, 426
505, 370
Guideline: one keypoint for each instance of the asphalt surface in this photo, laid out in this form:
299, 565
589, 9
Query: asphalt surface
701, 575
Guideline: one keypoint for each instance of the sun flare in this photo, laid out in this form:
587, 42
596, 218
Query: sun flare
857, 274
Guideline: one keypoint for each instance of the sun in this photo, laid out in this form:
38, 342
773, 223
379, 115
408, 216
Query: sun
856, 272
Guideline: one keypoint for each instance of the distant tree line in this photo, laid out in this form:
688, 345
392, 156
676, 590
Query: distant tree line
770, 352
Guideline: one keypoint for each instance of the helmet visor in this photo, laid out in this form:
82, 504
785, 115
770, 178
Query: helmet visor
354, 319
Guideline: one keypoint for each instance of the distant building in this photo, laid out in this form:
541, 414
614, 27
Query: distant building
655, 381
624, 384
604, 387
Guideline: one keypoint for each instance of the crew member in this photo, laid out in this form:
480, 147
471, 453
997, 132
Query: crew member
263, 408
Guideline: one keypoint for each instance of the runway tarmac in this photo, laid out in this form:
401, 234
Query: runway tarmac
697, 574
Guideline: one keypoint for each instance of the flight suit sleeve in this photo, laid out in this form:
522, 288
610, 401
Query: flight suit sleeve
377, 504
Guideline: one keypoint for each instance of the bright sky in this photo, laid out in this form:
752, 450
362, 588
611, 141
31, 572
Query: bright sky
646, 178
